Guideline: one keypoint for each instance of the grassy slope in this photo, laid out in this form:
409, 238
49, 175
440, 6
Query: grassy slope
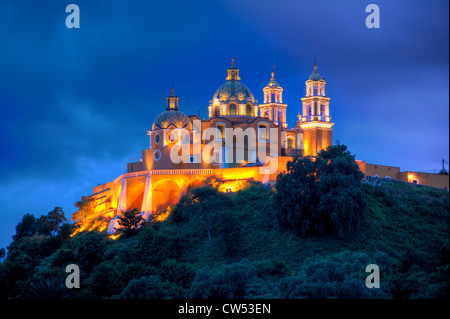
400, 219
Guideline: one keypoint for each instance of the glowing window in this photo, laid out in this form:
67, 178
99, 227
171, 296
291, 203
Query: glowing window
220, 131
263, 133
172, 136
248, 110
232, 109
290, 143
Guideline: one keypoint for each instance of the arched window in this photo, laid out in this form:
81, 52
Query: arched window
263, 132
266, 113
157, 138
157, 155
232, 110
220, 132
280, 117
290, 143
248, 110
217, 111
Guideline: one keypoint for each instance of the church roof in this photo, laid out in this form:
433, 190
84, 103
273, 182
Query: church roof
315, 76
273, 83
171, 117
233, 88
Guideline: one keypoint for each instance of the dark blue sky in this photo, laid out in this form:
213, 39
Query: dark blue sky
76, 103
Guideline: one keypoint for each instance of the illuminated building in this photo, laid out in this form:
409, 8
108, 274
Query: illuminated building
157, 181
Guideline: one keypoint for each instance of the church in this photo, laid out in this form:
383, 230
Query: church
240, 141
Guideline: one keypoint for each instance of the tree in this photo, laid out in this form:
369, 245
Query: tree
231, 283
26, 227
230, 237
204, 198
55, 219
130, 221
85, 209
89, 248
49, 288
321, 195
149, 287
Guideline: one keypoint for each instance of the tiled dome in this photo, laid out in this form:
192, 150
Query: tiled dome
171, 117
236, 89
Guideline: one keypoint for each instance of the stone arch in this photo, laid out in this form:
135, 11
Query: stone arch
165, 193
135, 194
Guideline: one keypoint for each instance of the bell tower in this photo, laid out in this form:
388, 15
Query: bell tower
316, 120
273, 106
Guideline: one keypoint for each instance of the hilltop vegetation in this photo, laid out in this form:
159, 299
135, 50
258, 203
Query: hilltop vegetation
235, 245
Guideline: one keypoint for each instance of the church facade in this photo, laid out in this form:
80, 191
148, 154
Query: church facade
240, 141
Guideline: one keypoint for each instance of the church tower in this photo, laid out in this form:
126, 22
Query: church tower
273, 106
316, 120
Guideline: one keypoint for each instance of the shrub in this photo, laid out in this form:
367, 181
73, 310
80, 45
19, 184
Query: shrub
340, 276
149, 287
231, 283
321, 196
89, 248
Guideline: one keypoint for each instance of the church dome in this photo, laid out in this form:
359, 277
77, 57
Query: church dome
233, 88
315, 76
273, 83
171, 117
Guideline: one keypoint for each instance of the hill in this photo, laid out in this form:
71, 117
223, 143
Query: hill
405, 232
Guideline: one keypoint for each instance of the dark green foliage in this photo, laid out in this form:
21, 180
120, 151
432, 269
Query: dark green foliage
64, 257
153, 247
143, 288
339, 276
321, 196
26, 227
271, 267
405, 232
130, 221
106, 279
50, 288
89, 248
55, 220
208, 200
45, 225
229, 232
231, 282
118, 252
179, 273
